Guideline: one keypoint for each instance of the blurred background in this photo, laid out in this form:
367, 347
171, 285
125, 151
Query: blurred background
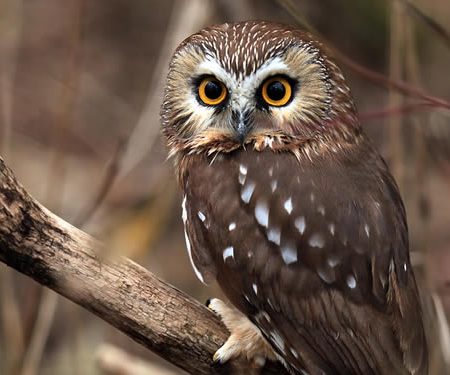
80, 90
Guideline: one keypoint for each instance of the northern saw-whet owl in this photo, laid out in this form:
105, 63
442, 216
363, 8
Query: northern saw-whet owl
288, 206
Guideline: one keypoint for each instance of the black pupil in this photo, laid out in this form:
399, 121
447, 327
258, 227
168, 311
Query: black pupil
213, 90
276, 90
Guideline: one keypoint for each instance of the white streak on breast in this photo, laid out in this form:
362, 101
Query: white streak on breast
273, 185
184, 211
262, 213
331, 228
367, 230
300, 224
316, 240
228, 252
351, 281
274, 235
288, 205
188, 243
201, 216
189, 249
242, 174
321, 209
277, 340
247, 192
289, 254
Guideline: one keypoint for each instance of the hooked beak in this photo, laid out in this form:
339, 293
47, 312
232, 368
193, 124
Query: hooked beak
242, 124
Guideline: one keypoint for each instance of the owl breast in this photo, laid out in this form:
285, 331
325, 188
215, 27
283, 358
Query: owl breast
308, 246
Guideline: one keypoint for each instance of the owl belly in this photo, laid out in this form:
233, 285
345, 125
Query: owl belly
309, 262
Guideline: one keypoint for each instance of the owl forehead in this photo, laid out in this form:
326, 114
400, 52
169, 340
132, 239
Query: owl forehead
244, 48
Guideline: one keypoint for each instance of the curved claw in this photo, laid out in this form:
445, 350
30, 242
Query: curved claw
245, 338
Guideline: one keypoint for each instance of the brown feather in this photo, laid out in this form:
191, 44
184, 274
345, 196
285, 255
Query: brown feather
300, 222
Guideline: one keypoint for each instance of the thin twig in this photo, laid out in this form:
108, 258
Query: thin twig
114, 361
419, 158
105, 187
370, 75
11, 318
396, 59
186, 17
428, 21
42, 326
49, 301
400, 110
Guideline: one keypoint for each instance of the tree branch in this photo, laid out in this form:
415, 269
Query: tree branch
41, 245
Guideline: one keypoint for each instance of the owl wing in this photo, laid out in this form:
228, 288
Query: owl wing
315, 254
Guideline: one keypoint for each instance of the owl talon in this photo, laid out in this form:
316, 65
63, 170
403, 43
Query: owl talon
245, 338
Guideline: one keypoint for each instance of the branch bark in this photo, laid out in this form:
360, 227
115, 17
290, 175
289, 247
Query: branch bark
41, 245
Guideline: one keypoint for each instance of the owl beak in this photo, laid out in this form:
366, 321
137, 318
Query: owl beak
242, 124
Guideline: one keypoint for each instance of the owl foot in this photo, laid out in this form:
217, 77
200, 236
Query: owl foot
245, 338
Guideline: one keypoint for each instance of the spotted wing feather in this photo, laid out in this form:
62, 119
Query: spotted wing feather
316, 254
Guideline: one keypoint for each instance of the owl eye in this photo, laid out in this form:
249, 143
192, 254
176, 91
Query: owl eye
277, 91
211, 91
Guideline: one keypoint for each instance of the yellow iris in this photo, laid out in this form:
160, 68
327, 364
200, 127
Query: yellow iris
211, 91
276, 91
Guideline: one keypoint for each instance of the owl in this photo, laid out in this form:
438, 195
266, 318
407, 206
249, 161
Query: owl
288, 207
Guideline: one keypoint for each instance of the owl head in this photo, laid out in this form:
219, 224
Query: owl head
234, 84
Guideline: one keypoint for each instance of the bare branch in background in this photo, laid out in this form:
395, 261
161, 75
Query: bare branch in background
115, 361
43, 246
48, 301
370, 75
400, 110
432, 24
418, 178
396, 69
186, 18
105, 186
